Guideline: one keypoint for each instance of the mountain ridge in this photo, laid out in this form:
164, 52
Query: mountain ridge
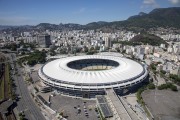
159, 17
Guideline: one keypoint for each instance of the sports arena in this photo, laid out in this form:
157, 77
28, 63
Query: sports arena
90, 75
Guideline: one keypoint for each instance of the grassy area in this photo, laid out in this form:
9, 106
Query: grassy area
146, 110
151, 86
168, 85
140, 99
2, 90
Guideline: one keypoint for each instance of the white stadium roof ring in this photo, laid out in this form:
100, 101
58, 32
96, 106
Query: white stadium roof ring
92, 72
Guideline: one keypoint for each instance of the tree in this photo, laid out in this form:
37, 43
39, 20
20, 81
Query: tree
174, 88
36, 57
117, 49
175, 78
11, 46
124, 51
90, 53
163, 72
63, 51
85, 49
97, 48
61, 113
31, 62
151, 86
23, 53
92, 48
168, 85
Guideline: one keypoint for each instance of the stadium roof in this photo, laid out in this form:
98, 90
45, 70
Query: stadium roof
126, 70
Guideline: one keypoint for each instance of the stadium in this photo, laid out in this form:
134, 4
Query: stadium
90, 75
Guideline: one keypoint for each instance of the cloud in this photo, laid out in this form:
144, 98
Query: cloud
80, 11
175, 2
149, 3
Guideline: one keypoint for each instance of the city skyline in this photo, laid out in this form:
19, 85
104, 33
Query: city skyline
33, 12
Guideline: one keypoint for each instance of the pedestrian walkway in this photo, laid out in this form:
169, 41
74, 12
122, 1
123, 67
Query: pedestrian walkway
129, 110
117, 106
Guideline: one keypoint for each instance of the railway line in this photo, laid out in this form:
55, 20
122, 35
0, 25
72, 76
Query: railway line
7, 86
5, 81
1, 72
5, 91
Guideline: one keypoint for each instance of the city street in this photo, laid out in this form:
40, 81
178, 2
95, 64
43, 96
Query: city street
25, 103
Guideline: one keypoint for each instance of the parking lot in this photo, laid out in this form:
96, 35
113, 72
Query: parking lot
163, 104
74, 108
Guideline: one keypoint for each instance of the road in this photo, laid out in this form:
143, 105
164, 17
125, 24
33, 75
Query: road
25, 103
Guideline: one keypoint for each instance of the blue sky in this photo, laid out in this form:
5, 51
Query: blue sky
32, 12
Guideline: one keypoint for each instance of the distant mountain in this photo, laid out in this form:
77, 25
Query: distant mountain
6, 26
135, 16
99, 23
71, 26
142, 13
95, 25
48, 26
160, 17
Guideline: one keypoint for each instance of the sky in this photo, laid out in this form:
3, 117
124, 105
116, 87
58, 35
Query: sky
33, 12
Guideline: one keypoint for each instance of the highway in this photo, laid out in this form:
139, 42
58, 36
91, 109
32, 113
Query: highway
25, 103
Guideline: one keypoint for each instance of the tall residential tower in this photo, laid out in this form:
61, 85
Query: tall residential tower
44, 41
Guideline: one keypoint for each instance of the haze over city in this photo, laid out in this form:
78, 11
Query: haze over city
33, 12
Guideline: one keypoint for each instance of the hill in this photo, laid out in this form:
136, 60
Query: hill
147, 39
160, 17
48, 26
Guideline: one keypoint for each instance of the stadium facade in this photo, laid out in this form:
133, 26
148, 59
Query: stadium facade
90, 75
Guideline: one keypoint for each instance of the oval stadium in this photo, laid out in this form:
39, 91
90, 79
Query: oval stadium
90, 75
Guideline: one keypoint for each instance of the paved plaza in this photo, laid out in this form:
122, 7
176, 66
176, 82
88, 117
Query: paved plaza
164, 104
